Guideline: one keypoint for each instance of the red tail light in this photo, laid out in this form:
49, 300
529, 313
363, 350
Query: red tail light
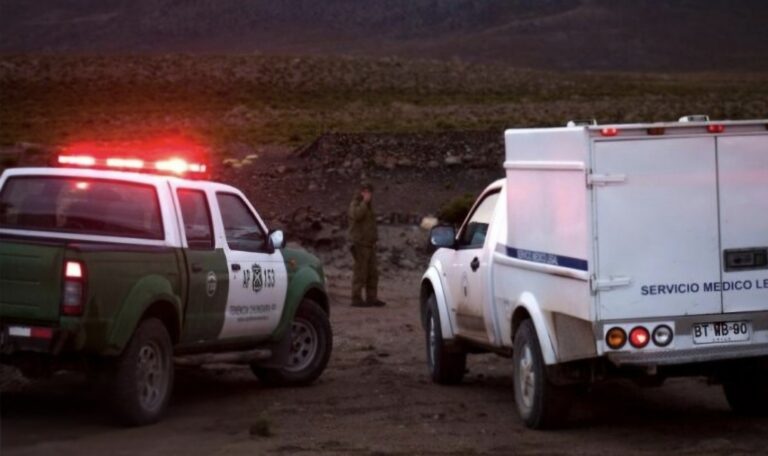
715, 128
39, 332
73, 292
639, 337
609, 131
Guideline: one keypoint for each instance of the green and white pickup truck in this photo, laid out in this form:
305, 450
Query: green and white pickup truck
126, 274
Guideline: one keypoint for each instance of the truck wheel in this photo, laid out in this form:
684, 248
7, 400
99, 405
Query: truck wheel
540, 404
142, 377
311, 345
748, 394
445, 367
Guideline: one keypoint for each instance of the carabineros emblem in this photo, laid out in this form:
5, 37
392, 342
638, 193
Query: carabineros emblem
258, 278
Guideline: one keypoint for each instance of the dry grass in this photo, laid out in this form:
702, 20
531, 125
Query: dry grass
282, 100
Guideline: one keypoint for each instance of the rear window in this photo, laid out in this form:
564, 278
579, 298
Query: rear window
87, 206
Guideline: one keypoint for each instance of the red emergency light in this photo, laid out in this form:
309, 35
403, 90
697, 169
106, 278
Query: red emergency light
167, 156
715, 128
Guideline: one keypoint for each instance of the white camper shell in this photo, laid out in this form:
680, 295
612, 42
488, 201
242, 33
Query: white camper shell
638, 248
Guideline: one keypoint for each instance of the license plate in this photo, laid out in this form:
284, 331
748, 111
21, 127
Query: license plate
721, 332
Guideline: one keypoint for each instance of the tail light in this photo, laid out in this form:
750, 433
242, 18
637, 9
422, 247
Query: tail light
609, 131
616, 338
715, 128
73, 293
639, 337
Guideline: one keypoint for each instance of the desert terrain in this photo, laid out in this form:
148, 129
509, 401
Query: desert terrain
375, 398
297, 134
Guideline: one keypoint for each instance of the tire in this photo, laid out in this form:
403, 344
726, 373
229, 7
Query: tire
540, 404
747, 393
445, 367
311, 345
141, 380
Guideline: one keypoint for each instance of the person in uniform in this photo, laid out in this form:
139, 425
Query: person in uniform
363, 235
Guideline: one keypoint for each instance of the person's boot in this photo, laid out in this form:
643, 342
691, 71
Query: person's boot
373, 301
358, 302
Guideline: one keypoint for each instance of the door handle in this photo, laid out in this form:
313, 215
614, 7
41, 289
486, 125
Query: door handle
235, 267
196, 267
474, 264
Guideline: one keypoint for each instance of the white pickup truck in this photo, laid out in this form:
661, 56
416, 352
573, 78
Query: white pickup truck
635, 250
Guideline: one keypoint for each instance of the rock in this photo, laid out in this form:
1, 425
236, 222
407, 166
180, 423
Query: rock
428, 222
281, 169
452, 160
262, 427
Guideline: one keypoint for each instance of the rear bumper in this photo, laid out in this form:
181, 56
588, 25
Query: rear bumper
21, 338
699, 355
683, 350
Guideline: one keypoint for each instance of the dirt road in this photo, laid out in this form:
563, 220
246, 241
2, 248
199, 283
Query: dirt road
376, 399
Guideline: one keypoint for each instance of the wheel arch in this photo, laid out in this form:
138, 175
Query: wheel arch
431, 284
527, 308
151, 296
167, 314
305, 283
319, 296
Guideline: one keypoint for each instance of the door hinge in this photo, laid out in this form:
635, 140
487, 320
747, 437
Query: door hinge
605, 179
610, 283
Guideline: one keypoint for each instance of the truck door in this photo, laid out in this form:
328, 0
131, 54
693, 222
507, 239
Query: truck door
257, 274
656, 214
469, 274
743, 175
206, 268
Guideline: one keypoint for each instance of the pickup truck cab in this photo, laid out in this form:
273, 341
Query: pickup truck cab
126, 274
620, 250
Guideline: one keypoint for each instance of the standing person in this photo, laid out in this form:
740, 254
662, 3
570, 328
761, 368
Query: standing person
363, 234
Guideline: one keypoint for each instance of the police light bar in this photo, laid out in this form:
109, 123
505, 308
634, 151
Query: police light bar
166, 155
77, 160
174, 166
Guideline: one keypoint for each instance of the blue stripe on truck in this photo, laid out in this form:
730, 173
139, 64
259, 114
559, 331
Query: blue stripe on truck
546, 258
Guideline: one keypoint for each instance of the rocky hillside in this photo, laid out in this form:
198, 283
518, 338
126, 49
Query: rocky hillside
665, 35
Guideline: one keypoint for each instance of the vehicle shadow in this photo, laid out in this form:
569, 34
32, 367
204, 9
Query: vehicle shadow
69, 404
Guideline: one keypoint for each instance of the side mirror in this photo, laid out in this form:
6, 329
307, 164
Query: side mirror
277, 239
441, 236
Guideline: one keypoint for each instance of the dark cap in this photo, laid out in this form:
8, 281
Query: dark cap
366, 185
